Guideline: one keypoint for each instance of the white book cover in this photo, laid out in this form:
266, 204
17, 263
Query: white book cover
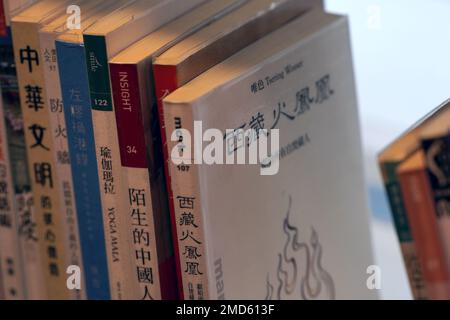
303, 231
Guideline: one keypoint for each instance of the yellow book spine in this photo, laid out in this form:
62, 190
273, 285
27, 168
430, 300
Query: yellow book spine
188, 212
41, 161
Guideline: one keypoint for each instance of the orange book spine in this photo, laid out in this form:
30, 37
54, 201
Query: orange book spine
419, 205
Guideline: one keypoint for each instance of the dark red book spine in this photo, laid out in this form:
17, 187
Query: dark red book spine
3, 26
166, 82
134, 154
130, 126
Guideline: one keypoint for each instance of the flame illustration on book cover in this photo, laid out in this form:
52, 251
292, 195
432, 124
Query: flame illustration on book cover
300, 271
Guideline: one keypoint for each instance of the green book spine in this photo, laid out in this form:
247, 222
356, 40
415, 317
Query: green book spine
114, 197
401, 222
97, 63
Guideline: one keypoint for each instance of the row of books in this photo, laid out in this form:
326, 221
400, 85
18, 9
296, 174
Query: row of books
416, 172
97, 179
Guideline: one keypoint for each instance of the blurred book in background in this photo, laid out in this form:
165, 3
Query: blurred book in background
416, 172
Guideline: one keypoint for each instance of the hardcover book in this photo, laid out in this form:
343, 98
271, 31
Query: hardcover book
294, 224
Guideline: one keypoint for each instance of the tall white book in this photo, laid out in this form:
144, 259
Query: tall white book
296, 224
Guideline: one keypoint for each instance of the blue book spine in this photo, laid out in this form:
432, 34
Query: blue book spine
80, 133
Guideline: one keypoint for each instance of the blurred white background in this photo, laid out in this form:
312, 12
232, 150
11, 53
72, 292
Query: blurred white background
401, 61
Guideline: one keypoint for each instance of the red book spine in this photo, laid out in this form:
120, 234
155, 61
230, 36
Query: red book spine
420, 208
166, 82
130, 126
134, 156
3, 26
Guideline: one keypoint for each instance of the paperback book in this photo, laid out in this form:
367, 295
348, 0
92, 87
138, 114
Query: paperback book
272, 228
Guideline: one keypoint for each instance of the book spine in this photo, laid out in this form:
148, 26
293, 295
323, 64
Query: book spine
3, 33
136, 177
120, 257
404, 234
2, 288
187, 204
437, 155
35, 287
420, 209
166, 81
80, 133
40, 161
10, 259
3, 26
59, 145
